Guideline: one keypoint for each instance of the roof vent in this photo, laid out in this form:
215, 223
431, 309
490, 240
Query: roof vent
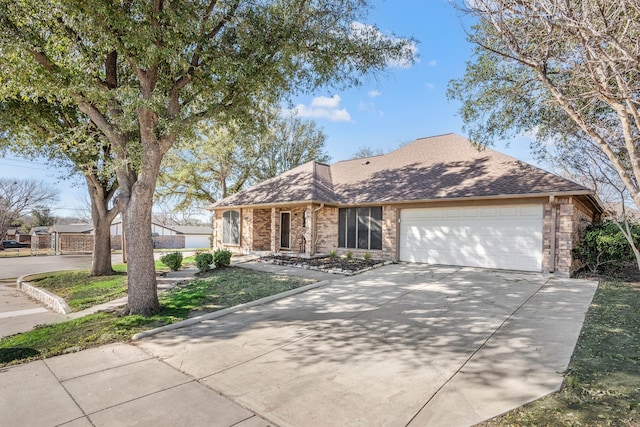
366, 162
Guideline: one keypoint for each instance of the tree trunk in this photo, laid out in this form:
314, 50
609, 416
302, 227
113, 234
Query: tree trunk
136, 224
101, 217
101, 261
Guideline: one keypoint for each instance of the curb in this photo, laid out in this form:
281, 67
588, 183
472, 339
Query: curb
230, 310
50, 300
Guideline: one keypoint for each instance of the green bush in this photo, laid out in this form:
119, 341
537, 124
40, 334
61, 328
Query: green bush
348, 255
332, 253
367, 256
604, 248
204, 261
172, 260
222, 258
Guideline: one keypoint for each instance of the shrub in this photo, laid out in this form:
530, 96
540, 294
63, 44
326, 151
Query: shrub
172, 260
349, 255
604, 248
204, 261
222, 258
332, 253
367, 256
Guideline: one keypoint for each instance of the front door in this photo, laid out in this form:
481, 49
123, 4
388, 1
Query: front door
285, 230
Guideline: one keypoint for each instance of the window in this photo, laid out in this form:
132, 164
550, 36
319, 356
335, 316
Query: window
360, 228
231, 228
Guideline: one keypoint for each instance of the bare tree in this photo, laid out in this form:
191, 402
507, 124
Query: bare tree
18, 197
542, 64
584, 162
365, 151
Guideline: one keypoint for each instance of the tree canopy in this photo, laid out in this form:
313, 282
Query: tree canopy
223, 159
146, 72
563, 71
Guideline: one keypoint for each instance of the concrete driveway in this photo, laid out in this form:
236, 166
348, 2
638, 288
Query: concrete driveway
401, 345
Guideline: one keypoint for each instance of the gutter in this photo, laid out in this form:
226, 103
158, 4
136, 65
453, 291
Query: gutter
588, 193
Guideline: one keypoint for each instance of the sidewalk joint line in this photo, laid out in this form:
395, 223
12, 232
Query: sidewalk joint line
480, 347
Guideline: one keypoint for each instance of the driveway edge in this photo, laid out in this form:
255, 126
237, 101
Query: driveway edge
230, 310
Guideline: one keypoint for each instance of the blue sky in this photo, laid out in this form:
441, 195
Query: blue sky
389, 109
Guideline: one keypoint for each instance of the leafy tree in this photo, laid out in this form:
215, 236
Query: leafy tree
222, 160
18, 197
69, 140
289, 142
145, 73
365, 151
585, 163
563, 71
41, 216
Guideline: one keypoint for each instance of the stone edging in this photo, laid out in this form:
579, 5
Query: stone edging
220, 313
50, 300
328, 270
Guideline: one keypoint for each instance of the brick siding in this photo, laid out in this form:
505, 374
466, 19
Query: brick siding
572, 218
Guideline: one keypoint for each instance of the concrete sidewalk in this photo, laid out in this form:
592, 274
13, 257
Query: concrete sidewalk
403, 345
114, 385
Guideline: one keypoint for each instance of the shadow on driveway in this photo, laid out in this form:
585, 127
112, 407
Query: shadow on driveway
400, 345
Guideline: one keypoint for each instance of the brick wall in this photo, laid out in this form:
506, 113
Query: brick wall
572, 217
246, 229
261, 229
328, 234
69, 243
390, 232
327, 230
298, 242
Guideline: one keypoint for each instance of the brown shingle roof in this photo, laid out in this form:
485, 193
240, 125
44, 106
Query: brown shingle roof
439, 167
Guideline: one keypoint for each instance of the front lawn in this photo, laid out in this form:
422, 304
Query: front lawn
81, 290
218, 289
602, 384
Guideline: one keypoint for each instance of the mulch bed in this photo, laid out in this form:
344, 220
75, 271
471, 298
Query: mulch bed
337, 265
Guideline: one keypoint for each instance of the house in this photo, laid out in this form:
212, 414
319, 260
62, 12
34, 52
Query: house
14, 233
437, 200
168, 236
71, 238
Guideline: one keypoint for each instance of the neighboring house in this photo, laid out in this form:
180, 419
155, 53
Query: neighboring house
168, 236
436, 200
14, 233
71, 238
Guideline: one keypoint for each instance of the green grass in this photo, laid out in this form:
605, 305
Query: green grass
217, 290
602, 384
79, 289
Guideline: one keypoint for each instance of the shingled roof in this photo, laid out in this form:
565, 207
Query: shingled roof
434, 168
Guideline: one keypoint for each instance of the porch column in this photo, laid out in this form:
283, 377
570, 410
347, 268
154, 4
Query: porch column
275, 230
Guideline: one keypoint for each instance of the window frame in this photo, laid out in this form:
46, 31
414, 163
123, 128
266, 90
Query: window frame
227, 221
354, 221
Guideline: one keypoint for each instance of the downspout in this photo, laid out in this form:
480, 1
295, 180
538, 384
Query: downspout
552, 237
314, 231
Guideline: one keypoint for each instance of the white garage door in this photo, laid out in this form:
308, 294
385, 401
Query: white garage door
507, 237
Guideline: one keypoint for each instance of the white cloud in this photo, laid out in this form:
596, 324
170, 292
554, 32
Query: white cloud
430, 85
374, 93
324, 102
323, 107
433, 63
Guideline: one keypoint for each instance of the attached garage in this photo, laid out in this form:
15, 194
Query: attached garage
504, 237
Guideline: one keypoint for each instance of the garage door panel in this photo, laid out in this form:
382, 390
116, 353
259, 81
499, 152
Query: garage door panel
495, 237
